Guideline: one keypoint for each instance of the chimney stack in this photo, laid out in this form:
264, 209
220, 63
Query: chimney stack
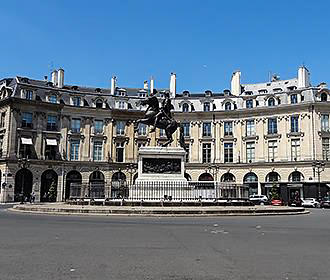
60, 79
236, 83
173, 85
152, 84
113, 85
303, 77
54, 77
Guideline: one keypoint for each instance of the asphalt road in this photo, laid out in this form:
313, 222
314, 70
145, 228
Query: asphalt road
68, 247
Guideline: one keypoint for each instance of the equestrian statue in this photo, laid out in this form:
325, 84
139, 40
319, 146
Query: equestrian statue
160, 117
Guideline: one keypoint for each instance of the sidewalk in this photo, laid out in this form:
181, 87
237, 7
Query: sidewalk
66, 209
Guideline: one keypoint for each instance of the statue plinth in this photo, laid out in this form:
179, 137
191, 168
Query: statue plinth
161, 164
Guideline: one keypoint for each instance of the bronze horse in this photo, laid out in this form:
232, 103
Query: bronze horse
158, 118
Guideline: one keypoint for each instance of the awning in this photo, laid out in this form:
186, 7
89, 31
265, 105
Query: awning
26, 141
51, 142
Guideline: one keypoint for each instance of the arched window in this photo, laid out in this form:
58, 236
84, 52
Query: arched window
250, 178
271, 101
205, 177
273, 177
48, 189
96, 183
324, 97
228, 106
296, 176
187, 176
228, 177
73, 184
185, 107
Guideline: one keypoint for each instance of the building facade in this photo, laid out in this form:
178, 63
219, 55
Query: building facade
55, 136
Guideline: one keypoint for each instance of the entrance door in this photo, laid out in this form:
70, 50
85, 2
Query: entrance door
23, 184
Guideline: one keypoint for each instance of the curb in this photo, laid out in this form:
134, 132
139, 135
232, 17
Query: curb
146, 211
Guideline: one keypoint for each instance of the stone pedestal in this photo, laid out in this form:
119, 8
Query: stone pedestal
161, 164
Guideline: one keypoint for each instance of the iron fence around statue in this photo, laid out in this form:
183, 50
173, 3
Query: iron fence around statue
178, 191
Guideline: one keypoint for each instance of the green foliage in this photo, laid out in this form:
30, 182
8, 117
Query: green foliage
274, 192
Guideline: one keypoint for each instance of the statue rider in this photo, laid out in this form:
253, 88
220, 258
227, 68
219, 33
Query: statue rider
164, 112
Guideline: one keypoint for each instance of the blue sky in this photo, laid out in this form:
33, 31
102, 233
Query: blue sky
203, 42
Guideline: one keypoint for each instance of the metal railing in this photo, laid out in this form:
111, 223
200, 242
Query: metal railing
156, 191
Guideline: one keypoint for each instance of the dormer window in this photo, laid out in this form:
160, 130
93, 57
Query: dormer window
99, 103
249, 103
292, 88
226, 92
120, 104
271, 101
208, 93
52, 99
74, 87
248, 93
121, 92
262, 91
28, 94
142, 94
186, 93
76, 101
185, 107
207, 107
228, 106
294, 98
324, 97
97, 90
277, 90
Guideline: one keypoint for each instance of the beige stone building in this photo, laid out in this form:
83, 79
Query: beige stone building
54, 136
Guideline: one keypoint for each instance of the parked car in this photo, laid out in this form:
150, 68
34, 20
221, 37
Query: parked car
310, 202
276, 202
325, 202
259, 199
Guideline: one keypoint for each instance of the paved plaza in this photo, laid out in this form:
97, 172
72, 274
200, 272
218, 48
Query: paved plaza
45, 247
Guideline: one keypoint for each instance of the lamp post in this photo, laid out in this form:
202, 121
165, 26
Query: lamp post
214, 169
318, 167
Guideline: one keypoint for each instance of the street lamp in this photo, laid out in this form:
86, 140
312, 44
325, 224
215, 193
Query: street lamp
214, 169
318, 167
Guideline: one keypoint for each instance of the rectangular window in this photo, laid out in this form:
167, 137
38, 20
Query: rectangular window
295, 149
250, 151
75, 125
186, 129
272, 126
120, 128
52, 99
294, 98
325, 122
272, 150
76, 101
28, 94
206, 152
74, 149
228, 152
120, 152
142, 129
249, 103
161, 132
120, 104
207, 129
50, 152
27, 120
98, 126
294, 123
97, 150
325, 148
2, 120
228, 128
52, 123
207, 107
250, 128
